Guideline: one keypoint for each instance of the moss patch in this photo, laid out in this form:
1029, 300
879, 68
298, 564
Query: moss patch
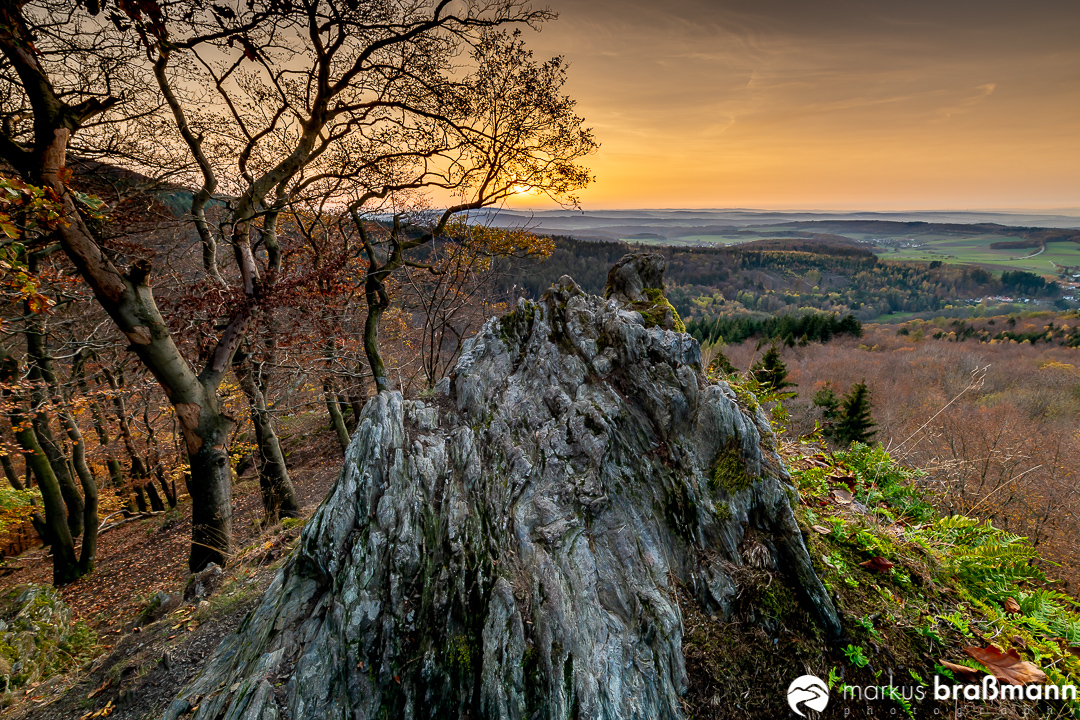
655, 311
516, 324
729, 470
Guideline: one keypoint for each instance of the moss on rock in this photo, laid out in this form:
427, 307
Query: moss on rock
729, 470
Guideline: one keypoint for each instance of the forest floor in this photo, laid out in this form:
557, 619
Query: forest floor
140, 670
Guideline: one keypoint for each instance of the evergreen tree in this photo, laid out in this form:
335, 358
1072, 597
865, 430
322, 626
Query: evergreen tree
826, 399
771, 371
721, 363
854, 423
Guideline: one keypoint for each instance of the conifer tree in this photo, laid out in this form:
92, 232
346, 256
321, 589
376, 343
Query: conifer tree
771, 371
721, 363
826, 399
854, 423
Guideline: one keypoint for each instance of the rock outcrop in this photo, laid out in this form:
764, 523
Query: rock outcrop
510, 550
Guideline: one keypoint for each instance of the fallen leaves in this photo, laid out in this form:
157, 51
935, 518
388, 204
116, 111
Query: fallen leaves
848, 480
960, 672
1011, 606
100, 689
821, 529
103, 712
843, 497
1007, 667
878, 564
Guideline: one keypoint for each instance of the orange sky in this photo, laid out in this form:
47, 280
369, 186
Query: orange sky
831, 104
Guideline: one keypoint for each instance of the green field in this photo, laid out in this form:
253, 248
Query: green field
926, 247
976, 249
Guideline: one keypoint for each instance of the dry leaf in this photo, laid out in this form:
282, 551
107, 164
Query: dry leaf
962, 672
879, 564
820, 529
1011, 606
101, 689
848, 480
895, 530
1007, 667
843, 497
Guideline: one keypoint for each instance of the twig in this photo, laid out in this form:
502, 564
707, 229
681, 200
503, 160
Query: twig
140, 516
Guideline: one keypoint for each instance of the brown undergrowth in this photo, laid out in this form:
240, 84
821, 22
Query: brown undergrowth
137, 671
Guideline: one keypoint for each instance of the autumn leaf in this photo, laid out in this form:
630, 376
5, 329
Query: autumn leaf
961, 672
7, 227
820, 529
100, 689
843, 497
1007, 667
878, 563
848, 480
1011, 606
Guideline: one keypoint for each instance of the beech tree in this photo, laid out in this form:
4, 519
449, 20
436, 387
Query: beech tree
265, 109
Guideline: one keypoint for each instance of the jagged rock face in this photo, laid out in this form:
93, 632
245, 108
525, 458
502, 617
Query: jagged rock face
509, 551
628, 279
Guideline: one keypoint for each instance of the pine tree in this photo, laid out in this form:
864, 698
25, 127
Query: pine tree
826, 399
721, 363
854, 423
771, 372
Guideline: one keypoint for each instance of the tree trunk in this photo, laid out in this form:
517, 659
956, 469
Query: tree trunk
140, 499
356, 402
140, 474
89, 488
65, 566
335, 414
347, 413
69, 491
377, 303
9, 472
41, 374
155, 459
127, 296
116, 473
151, 492
279, 498
207, 438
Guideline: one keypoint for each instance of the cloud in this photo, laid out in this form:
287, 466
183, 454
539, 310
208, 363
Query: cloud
849, 99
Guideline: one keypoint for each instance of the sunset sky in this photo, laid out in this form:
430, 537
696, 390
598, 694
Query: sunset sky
833, 104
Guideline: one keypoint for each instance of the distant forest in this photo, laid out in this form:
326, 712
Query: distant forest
771, 277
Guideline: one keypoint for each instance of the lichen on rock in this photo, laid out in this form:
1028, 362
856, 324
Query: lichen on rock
513, 551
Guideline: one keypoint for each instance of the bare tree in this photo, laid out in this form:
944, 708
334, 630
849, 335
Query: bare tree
265, 107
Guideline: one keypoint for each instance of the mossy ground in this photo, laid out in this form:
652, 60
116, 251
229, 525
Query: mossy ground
946, 590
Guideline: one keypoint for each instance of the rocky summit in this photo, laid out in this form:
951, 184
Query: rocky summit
511, 547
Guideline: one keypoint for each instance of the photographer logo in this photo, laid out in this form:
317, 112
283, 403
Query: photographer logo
808, 691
